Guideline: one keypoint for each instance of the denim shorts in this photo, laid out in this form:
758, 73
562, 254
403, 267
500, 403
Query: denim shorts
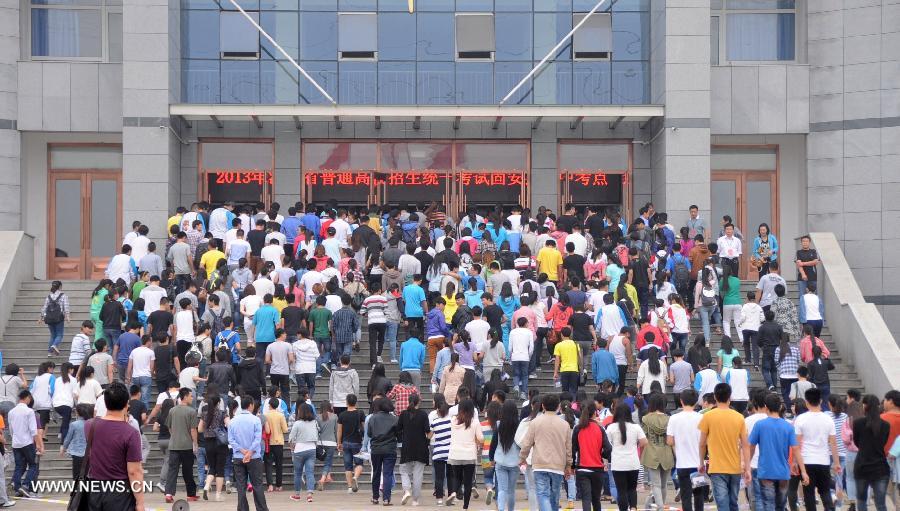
351, 449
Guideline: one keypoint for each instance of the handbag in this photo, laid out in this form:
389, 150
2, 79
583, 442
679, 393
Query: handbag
222, 437
320, 449
79, 498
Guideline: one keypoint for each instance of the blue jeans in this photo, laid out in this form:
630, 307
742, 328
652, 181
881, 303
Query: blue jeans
112, 337
707, 313
325, 350
304, 465
879, 488
757, 491
390, 337
801, 287
26, 463
56, 334
341, 348
201, 465
144, 382
848, 475
547, 486
679, 340
329, 459
520, 376
772, 495
506, 487
769, 369
383, 469
726, 488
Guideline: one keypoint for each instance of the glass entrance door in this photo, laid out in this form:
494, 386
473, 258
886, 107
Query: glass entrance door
750, 199
85, 223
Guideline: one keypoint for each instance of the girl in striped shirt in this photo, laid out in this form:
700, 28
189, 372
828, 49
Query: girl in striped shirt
439, 420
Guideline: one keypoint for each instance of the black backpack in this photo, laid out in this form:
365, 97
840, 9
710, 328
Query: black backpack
54, 313
681, 275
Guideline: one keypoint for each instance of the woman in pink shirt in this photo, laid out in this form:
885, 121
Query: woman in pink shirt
596, 265
806, 345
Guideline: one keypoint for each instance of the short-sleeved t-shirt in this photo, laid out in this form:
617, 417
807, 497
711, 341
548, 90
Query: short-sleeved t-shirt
319, 317
625, 456
140, 358
683, 374
121, 444
806, 256
413, 296
280, 351
265, 319
493, 314
568, 353
136, 408
728, 357
639, 273
723, 429
293, 316
683, 427
165, 367
180, 421
774, 439
351, 426
581, 324
100, 362
815, 427
127, 343
160, 320
548, 260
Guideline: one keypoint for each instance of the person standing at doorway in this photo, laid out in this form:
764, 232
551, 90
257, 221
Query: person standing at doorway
730, 248
806, 260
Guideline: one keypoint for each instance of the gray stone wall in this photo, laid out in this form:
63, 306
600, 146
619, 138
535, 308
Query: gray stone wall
10, 184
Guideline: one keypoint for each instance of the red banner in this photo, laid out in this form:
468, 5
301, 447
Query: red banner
241, 176
589, 178
413, 178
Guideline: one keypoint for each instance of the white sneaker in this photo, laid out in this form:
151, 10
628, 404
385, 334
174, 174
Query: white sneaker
405, 499
350, 490
440, 502
379, 359
394, 361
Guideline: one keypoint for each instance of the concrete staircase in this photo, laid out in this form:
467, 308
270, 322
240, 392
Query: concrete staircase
25, 343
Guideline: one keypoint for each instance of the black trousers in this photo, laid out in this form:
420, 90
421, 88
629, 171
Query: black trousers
376, 340
626, 485
185, 460
819, 479
691, 499
283, 382
440, 475
590, 486
254, 472
623, 372
111, 501
181, 348
275, 459
460, 480
76, 466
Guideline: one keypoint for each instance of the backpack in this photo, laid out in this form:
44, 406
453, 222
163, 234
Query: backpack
54, 313
409, 235
681, 275
218, 323
212, 282
622, 255
708, 297
223, 341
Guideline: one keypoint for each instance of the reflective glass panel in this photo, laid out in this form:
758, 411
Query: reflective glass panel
436, 83
200, 34
491, 156
396, 36
474, 83
593, 157
325, 74
318, 35
759, 204
114, 24
201, 81
240, 81
506, 76
592, 83
396, 83
724, 199
630, 83
435, 36
65, 33
104, 218
473, 5
85, 157
284, 28
553, 85
764, 37
357, 83
513, 37
631, 35
67, 196
280, 82
549, 29
339, 156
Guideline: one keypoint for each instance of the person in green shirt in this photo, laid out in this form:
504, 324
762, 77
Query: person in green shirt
320, 318
730, 290
137, 287
726, 354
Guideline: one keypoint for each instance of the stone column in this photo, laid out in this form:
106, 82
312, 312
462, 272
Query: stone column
10, 174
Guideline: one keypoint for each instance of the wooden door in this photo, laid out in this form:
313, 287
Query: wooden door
85, 222
750, 198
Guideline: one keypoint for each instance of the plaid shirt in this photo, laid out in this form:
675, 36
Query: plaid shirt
193, 238
400, 395
786, 316
345, 323
787, 368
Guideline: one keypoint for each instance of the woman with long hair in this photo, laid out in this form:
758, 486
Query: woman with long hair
508, 302
64, 397
452, 378
74, 442
304, 435
739, 379
730, 288
706, 299
505, 456
414, 429
465, 446
465, 348
439, 421
589, 442
88, 389
871, 434
698, 355
98, 298
765, 248
726, 355
382, 431
521, 431
657, 457
493, 384
626, 438
212, 425
55, 314
327, 422
378, 383
651, 370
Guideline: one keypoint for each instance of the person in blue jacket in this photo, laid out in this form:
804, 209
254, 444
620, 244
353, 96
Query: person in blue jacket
764, 244
603, 365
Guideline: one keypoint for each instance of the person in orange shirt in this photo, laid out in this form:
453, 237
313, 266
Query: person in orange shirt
891, 414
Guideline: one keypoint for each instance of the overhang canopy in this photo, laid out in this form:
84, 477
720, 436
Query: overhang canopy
450, 113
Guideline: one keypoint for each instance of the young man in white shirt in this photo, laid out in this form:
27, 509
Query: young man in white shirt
521, 348
683, 435
272, 253
27, 444
152, 294
140, 368
82, 343
122, 266
578, 239
139, 243
758, 409
184, 329
818, 445
730, 249
341, 228
478, 329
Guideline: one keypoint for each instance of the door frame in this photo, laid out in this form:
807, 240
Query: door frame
741, 178
268, 190
627, 173
87, 264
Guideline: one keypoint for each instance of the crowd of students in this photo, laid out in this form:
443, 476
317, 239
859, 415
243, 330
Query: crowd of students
240, 304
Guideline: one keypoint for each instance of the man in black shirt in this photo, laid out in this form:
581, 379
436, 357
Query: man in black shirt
492, 312
567, 219
166, 366
806, 261
293, 318
573, 263
769, 338
593, 224
257, 240
639, 275
161, 320
349, 441
584, 334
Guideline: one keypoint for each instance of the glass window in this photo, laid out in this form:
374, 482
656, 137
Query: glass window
435, 5
473, 5
318, 5
393, 6
549, 29
325, 74
238, 38
200, 34
278, 5
506, 76
592, 83
339, 156
85, 157
66, 33
630, 83
284, 28
104, 213
357, 35
201, 81
760, 36
318, 35
475, 36
280, 82
114, 29
499, 156
475, 83
553, 85
416, 156
396, 36
357, 83
397, 83
594, 39
434, 39
714, 40
760, 4
240, 81
68, 218
631, 36
514, 43
631, 5
573, 157
435, 83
